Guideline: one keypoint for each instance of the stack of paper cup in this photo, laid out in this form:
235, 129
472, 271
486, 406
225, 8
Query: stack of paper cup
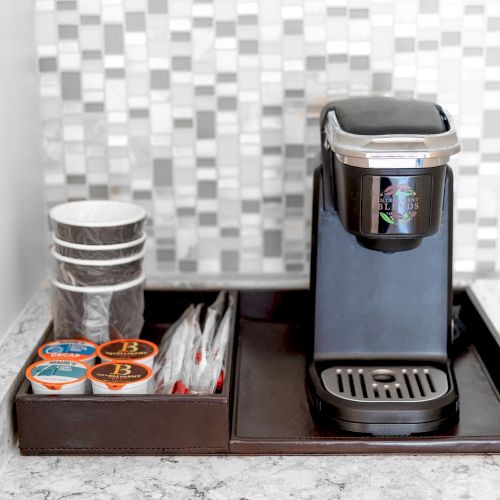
97, 270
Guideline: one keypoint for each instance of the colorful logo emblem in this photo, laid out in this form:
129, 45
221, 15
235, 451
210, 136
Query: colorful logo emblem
398, 204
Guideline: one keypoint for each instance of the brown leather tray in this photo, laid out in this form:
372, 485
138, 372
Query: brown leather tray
271, 414
133, 424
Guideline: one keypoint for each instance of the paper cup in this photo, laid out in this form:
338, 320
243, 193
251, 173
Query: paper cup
98, 252
128, 350
99, 313
120, 378
98, 222
110, 272
59, 376
80, 350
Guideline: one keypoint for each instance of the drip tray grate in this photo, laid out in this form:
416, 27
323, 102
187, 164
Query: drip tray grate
383, 383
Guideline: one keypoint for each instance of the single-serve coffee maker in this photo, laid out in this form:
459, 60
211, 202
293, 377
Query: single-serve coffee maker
381, 262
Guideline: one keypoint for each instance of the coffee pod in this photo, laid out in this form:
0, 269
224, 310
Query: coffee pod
130, 350
74, 349
58, 376
120, 377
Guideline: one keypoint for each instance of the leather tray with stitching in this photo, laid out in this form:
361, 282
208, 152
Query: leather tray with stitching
271, 413
130, 424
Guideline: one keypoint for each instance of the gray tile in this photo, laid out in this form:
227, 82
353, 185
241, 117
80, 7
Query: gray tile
493, 56
226, 103
293, 27
248, 46
160, 79
487, 221
247, 20
474, 9
294, 93
207, 190
203, 22
272, 243
204, 90
336, 11
294, 200
469, 170
47, 64
382, 82
207, 219
473, 51
229, 232
188, 266
115, 73
486, 244
469, 144
485, 268
142, 195
359, 62
494, 24
135, 21
427, 45
315, 63
358, 13
162, 171
68, 32
98, 192
429, 6
226, 77
180, 36
225, 28
451, 38
66, 5
113, 39
406, 44
76, 179
165, 254
94, 107
90, 55
230, 260
186, 212
294, 267
139, 113
90, 20
272, 150
337, 58
250, 206
183, 123
181, 63
294, 150
157, 6
205, 162
272, 110
205, 124
466, 216
71, 86
491, 123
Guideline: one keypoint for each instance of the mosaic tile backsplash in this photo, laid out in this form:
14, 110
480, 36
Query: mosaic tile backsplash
206, 113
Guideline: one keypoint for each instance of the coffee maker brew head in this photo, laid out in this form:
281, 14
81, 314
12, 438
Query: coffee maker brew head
388, 159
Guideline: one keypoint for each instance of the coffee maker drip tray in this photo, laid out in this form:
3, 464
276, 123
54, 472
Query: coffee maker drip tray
385, 383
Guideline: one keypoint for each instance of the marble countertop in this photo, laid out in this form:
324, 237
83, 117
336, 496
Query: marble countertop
382, 476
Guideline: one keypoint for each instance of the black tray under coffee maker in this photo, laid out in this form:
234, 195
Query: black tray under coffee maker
381, 268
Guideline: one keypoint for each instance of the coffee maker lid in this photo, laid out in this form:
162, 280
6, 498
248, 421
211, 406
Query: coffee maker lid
382, 131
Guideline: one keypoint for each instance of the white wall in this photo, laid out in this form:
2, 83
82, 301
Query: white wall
22, 220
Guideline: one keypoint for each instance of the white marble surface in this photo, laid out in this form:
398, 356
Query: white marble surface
487, 293
15, 349
387, 477
328, 477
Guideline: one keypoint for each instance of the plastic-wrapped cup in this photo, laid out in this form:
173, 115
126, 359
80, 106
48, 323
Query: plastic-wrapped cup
98, 222
131, 350
120, 378
98, 252
77, 272
81, 350
58, 376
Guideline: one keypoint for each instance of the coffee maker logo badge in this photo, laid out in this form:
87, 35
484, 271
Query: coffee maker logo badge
398, 204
